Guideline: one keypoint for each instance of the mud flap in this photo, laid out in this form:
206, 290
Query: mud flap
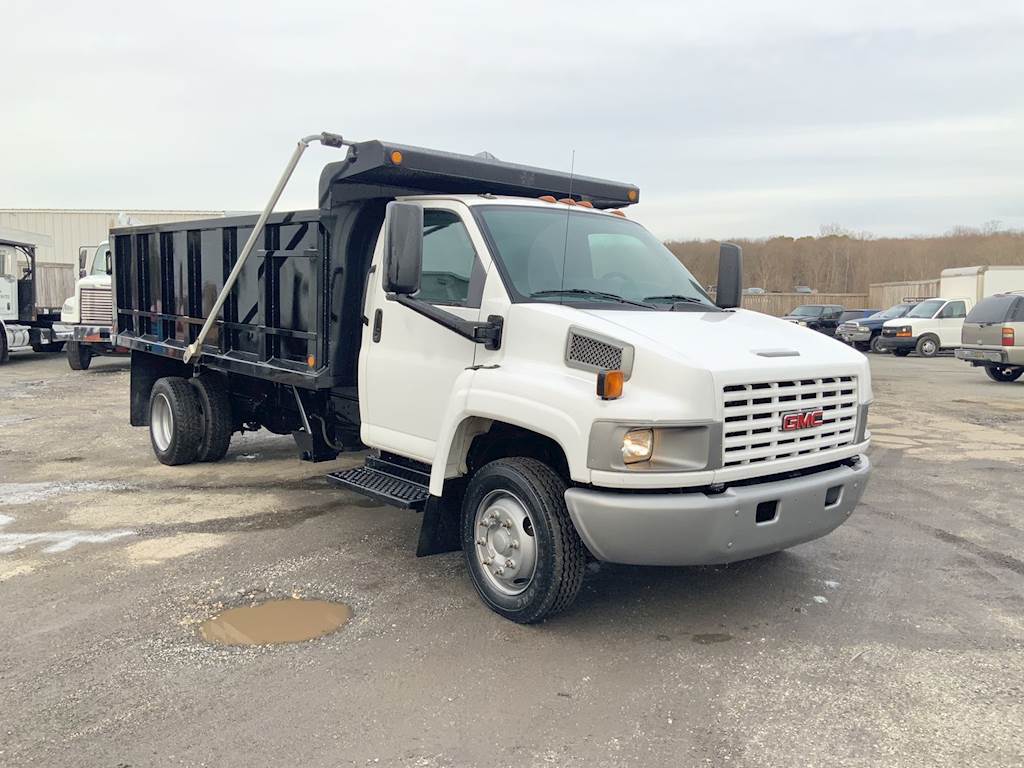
439, 531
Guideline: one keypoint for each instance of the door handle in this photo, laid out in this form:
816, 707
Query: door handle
378, 319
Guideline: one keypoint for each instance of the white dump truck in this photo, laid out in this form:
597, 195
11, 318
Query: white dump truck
532, 371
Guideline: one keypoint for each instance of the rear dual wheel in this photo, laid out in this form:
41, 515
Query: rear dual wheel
190, 420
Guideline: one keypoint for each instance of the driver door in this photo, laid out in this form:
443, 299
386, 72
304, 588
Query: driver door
409, 363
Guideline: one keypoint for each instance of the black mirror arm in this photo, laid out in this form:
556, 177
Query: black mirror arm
488, 334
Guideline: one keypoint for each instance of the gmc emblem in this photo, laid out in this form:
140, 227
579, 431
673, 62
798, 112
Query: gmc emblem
802, 420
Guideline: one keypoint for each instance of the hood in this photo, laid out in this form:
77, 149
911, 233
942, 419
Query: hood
95, 281
736, 341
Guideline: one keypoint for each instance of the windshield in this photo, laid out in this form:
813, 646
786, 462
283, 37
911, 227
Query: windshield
99, 263
806, 310
897, 311
559, 256
926, 308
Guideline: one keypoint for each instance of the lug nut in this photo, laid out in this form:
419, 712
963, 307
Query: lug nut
488, 561
514, 545
499, 571
510, 564
481, 542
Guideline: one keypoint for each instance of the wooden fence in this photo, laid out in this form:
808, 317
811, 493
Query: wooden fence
779, 304
883, 295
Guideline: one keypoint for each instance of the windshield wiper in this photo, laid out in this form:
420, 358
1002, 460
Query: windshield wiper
676, 297
588, 292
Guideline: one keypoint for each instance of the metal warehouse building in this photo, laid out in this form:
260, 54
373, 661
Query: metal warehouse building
68, 230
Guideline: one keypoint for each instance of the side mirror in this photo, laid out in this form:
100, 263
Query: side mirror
82, 253
108, 263
730, 276
403, 248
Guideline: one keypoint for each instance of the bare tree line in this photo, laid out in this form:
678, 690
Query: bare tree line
841, 261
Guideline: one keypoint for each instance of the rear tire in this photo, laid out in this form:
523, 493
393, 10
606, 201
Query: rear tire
876, 345
901, 352
927, 346
4, 351
218, 424
514, 511
1004, 373
79, 356
175, 421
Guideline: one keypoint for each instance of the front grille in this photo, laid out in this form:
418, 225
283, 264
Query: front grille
847, 327
97, 306
754, 412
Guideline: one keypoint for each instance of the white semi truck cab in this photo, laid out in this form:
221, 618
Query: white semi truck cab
90, 312
27, 321
534, 372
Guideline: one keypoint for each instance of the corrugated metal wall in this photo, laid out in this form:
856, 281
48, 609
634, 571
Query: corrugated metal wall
71, 229
884, 295
779, 304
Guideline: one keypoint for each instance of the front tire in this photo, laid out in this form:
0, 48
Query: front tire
522, 550
1004, 373
927, 346
79, 356
5, 353
876, 345
175, 421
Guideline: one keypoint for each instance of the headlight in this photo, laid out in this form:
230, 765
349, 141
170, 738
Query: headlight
637, 445
905, 330
802, 322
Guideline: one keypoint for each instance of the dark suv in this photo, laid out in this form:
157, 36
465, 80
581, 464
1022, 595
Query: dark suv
993, 336
866, 333
819, 317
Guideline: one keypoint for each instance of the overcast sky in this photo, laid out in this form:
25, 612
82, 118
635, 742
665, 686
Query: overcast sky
734, 118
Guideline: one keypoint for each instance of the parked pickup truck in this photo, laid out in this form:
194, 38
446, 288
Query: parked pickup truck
865, 333
534, 372
993, 336
818, 317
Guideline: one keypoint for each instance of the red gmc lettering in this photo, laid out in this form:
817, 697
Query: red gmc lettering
805, 420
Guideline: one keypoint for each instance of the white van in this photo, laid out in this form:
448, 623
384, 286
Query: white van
937, 323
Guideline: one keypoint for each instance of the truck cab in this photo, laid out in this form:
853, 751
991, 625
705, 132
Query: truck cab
532, 371
25, 322
90, 312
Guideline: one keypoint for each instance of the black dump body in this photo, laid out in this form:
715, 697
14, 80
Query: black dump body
294, 316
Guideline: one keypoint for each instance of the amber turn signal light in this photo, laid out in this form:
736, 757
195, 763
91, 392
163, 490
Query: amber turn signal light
609, 384
396, 157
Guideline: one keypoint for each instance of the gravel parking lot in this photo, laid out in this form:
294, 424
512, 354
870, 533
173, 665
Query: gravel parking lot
896, 640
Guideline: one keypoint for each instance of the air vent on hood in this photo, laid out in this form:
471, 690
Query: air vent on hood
591, 351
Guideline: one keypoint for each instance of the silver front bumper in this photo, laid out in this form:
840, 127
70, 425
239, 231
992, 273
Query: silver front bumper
702, 529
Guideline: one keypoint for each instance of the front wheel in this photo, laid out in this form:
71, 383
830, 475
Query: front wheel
523, 552
79, 356
1004, 373
927, 346
876, 345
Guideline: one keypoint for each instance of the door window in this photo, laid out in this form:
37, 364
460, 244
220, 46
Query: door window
953, 310
448, 258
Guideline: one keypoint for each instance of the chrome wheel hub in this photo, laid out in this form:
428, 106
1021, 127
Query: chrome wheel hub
161, 422
505, 547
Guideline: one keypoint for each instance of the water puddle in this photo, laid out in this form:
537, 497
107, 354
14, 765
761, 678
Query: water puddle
275, 622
